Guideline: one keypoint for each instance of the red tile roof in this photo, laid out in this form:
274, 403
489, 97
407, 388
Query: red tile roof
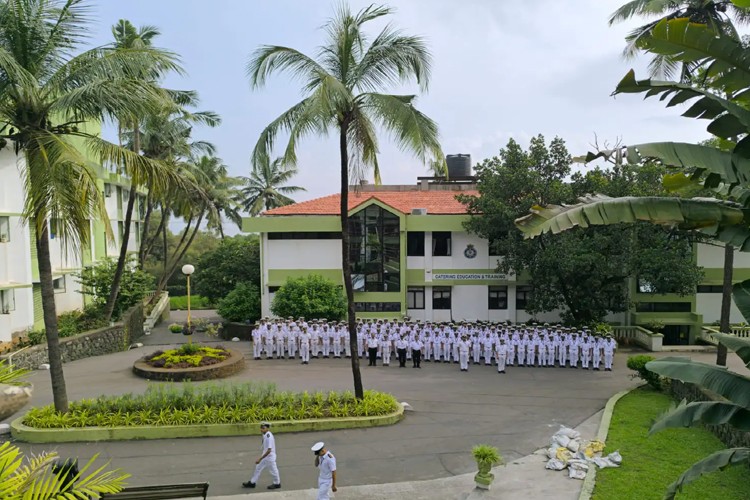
436, 202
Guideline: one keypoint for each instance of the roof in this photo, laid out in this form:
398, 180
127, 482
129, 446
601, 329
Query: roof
436, 202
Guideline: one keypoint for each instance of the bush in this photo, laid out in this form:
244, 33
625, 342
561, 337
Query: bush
188, 355
242, 304
235, 261
486, 454
310, 296
188, 404
638, 364
96, 281
175, 328
197, 302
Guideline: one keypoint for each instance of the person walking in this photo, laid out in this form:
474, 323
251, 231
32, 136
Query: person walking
267, 459
326, 464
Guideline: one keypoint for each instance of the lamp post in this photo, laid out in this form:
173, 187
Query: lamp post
187, 270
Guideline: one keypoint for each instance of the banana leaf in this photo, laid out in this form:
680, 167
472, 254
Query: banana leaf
704, 412
712, 463
740, 346
718, 379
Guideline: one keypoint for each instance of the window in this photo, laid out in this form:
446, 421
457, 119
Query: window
59, 285
4, 229
108, 190
273, 289
441, 244
375, 250
377, 306
710, 289
663, 307
121, 230
523, 296
497, 297
415, 297
7, 301
415, 243
306, 235
441, 297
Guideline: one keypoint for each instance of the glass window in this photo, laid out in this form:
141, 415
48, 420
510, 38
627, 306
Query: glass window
663, 307
441, 297
710, 289
497, 297
306, 235
4, 229
415, 297
59, 284
523, 296
377, 306
273, 289
441, 244
7, 301
375, 250
415, 243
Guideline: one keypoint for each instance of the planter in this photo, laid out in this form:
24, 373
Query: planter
483, 479
188, 330
233, 364
13, 398
240, 330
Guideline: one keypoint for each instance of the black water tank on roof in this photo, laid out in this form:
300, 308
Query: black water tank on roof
459, 165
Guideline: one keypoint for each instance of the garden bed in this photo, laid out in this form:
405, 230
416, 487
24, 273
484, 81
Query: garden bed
651, 463
186, 363
171, 411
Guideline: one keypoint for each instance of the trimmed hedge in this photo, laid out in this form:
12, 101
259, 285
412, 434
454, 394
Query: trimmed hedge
187, 404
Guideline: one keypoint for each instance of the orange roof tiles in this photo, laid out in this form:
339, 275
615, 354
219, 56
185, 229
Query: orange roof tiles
436, 202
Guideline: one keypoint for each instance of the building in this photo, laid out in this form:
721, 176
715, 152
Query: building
20, 292
411, 256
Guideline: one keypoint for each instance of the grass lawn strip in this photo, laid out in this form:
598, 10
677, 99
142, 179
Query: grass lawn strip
651, 463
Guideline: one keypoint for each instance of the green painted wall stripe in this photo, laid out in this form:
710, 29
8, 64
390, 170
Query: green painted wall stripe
38, 311
291, 223
436, 222
277, 277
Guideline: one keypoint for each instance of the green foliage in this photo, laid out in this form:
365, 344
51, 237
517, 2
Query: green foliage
242, 304
33, 477
311, 296
563, 270
638, 365
485, 453
175, 328
214, 403
218, 272
96, 282
652, 462
10, 375
197, 303
188, 354
70, 323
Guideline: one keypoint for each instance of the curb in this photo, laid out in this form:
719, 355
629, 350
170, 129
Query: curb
588, 484
27, 434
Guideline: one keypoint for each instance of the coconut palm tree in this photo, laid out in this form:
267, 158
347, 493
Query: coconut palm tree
47, 95
265, 188
342, 95
716, 14
222, 191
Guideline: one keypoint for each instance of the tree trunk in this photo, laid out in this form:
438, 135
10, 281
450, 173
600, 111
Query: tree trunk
359, 392
142, 250
726, 302
178, 255
59, 392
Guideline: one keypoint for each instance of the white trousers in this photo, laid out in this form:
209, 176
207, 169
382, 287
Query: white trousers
608, 357
336, 348
326, 347
386, 349
257, 348
269, 462
464, 359
324, 489
501, 363
304, 352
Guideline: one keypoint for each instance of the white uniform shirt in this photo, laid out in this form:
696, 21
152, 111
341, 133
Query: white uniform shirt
269, 442
327, 466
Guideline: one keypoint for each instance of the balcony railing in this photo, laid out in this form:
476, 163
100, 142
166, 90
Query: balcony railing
639, 335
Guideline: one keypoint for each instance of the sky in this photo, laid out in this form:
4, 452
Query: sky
501, 70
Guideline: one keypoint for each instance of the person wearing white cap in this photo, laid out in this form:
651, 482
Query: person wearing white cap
326, 464
267, 459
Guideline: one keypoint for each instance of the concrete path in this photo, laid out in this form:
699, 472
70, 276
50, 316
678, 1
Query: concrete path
453, 411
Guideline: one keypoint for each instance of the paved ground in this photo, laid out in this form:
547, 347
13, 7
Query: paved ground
516, 412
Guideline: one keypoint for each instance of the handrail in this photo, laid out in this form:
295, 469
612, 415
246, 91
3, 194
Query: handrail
10, 356
641, 336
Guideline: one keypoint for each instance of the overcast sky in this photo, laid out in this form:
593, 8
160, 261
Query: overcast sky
501, 69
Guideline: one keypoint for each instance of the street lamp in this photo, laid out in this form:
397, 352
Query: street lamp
187, 270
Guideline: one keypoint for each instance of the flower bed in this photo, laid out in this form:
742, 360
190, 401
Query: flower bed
187, 356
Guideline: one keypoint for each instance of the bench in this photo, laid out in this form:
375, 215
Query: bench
161, 492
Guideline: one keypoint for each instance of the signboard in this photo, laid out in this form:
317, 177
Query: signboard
469, 276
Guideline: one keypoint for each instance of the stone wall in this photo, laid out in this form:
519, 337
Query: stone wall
728, 435
106, 340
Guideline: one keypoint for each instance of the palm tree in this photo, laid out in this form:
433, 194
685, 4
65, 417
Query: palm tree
265, 188
716, 14
341, 87
221, 190
46, 94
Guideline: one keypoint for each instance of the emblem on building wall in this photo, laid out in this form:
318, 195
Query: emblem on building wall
470, 251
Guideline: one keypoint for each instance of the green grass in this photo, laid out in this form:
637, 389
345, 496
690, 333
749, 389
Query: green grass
196, 303
650, 464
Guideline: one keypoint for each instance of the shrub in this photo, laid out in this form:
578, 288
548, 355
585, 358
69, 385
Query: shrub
311, 296
638, 364
175, 328
197, 302
215, 403
242, 304
235, 261
96, 281
187, 355
68, 324
486, 454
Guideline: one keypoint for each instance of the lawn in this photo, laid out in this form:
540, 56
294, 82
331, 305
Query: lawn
650, 464
196, 303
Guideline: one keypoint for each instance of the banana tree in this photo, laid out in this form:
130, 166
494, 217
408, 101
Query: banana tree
734, 411
724, 103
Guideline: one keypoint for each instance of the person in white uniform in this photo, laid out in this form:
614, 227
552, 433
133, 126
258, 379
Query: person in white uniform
326, 464
267, 459
501, 353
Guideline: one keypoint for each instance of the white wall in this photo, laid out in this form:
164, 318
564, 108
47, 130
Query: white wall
21, 318
469, 302
71, 299
713, 256
709, 305
303, 254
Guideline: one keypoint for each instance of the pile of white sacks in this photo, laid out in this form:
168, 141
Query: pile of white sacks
568, 450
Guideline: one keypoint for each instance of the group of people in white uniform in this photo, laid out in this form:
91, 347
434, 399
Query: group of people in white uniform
480, 342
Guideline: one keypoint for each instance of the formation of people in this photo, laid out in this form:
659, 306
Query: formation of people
491, 344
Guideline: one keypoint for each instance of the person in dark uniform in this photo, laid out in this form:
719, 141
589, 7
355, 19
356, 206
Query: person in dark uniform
416, 351
372, 349
401, 346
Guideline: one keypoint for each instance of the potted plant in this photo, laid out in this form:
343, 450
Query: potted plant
486, 456
175, 328
187, 329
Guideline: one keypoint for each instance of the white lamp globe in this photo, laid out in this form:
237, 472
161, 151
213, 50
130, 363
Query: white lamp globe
188, 269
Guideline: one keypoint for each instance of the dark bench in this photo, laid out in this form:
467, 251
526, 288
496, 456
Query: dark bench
161, 492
